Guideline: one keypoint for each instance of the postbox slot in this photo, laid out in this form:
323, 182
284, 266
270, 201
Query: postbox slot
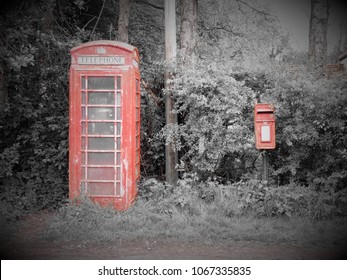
263, 111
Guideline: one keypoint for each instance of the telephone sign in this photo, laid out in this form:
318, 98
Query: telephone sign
104, 123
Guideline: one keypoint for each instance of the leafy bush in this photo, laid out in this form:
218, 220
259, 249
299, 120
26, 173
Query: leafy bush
215, 134
311, 124
242, 198
215, 128
34, 121
290, 200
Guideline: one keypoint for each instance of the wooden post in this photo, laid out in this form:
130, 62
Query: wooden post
171, 118
265, 175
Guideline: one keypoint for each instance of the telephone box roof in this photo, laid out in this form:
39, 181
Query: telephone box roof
109, 43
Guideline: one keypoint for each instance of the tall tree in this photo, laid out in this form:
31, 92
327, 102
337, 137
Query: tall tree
318, 44
188, 30
123, 20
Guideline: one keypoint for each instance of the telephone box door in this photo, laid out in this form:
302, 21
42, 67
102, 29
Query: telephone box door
101, 130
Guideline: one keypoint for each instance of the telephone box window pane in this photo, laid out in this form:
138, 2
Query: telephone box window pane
83, 158
119, 100
101, 113
83, 113
118, 177
83, 97
119, 128
117, 188
100, 143
119, 113
101, 128
83, 143
103, 98
100, 173
83, 128
265, 133
101, 83
83, 81
119, 85
118, 158
100, 158
83, 173
118, 143
100, 188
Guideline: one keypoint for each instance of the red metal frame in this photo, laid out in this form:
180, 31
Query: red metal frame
104, 132
264, 126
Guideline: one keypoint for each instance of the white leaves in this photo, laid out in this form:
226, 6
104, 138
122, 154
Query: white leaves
22, 61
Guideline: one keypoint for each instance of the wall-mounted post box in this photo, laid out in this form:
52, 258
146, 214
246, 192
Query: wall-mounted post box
264, 125
104, 123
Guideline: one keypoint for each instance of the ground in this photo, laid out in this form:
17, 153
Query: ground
26, 242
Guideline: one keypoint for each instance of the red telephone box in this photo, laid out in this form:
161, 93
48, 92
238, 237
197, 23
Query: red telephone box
264, 125
104, 132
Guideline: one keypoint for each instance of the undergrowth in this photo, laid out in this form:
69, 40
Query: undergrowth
207, 210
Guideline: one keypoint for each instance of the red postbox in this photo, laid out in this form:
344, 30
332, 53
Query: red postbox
264, 125
104, 124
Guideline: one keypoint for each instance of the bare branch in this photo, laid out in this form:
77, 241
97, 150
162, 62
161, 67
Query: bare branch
224, 27
150, 4
102, 8
265, 14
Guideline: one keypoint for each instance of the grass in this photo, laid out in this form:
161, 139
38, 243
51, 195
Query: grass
203, 222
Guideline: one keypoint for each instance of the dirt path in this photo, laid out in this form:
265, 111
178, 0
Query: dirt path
26, 243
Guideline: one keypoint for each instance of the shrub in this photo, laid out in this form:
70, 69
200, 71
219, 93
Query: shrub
215, 128
215, 134
311, 124
242, 198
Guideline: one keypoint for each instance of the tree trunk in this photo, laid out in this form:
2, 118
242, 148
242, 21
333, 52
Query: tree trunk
188, 31
4, 70
317, 50
123, 21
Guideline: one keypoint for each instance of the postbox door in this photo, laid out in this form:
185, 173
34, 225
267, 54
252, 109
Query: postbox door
101, 135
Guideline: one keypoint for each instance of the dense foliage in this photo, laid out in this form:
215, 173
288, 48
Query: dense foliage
215, 134
312, 126
36, 37
249, 197
216, 137
34, 121
237, 67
